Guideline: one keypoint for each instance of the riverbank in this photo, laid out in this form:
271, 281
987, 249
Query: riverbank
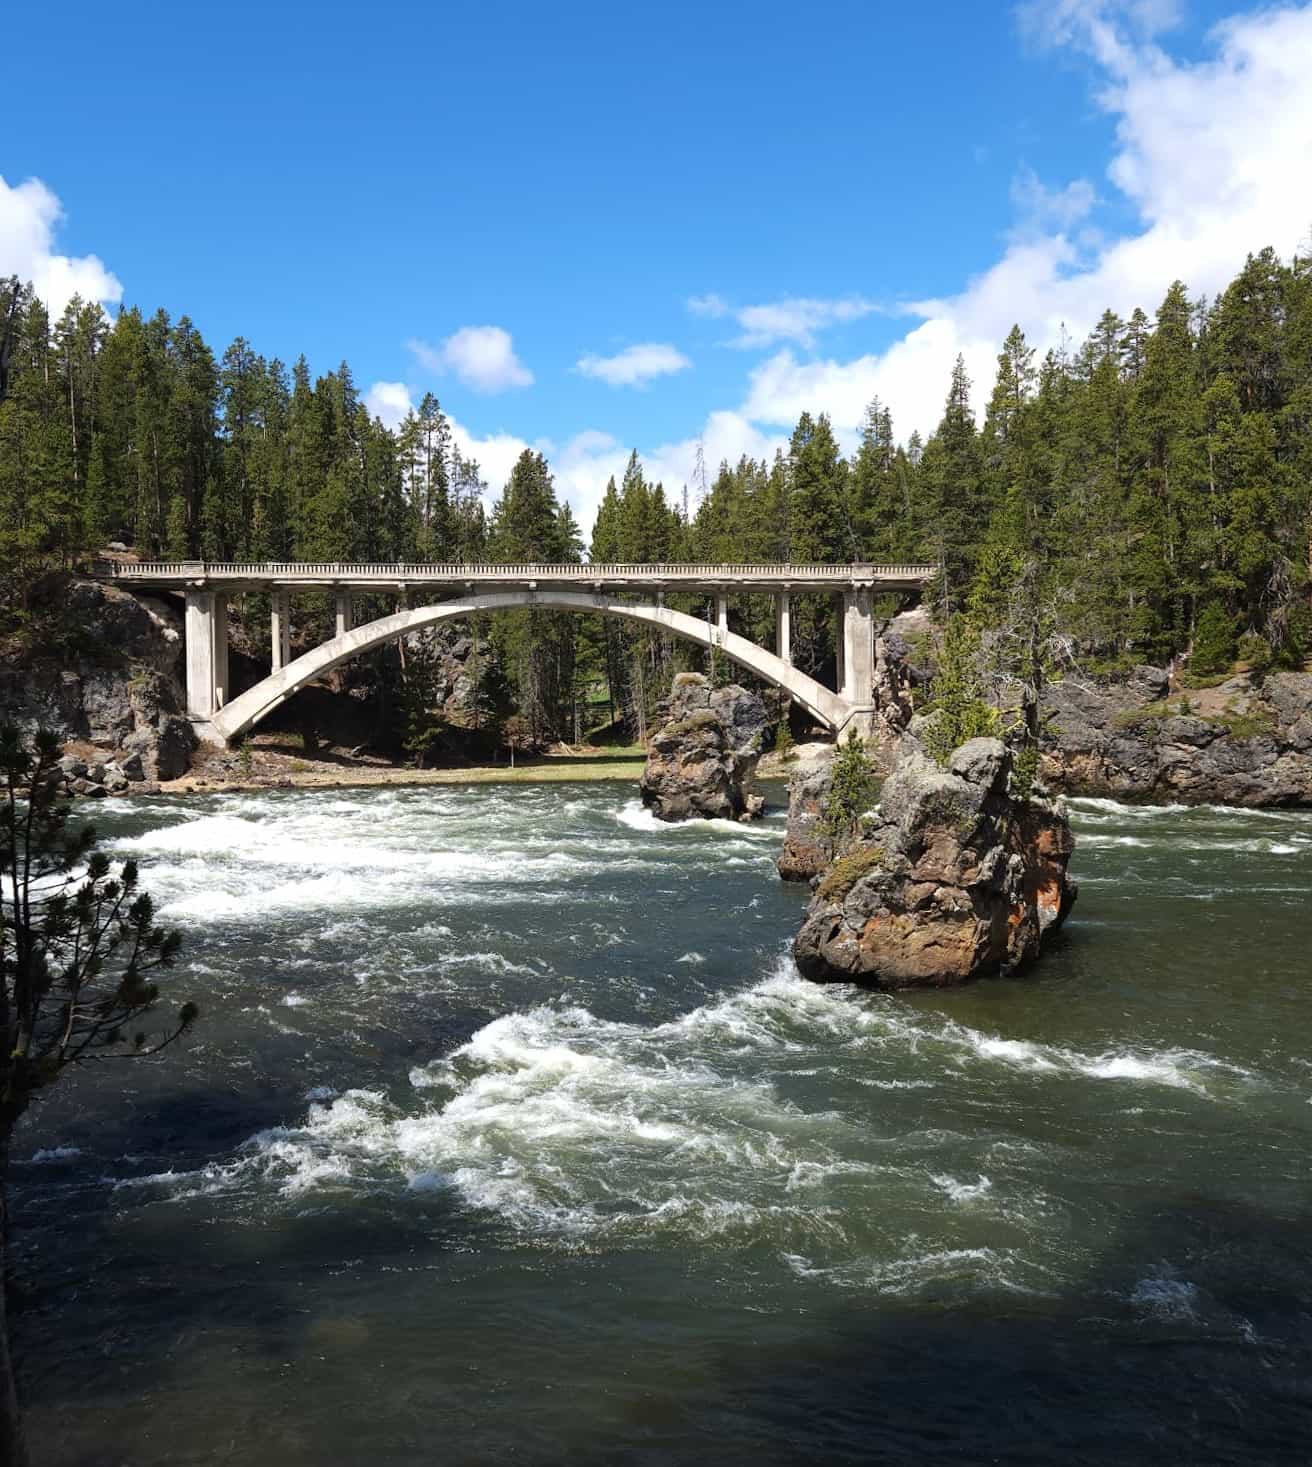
273, 766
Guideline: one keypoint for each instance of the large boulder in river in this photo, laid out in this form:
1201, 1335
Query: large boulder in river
702, 758
957, 879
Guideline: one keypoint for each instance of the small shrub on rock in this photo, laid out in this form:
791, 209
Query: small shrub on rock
851, 791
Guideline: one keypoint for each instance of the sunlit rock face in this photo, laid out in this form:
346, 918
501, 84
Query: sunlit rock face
111, 677
958, 878
1246, 741
807, 848
703, 757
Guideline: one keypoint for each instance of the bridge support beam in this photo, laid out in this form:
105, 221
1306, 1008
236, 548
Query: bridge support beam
280, 629
722, 612
207, 653
857, 659
344, 622
783, 627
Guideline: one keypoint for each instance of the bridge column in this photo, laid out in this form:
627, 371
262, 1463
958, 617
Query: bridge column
722, 611
343, 613
857, 682
280, 628
221, 689
207, 652
840, 645
783, 627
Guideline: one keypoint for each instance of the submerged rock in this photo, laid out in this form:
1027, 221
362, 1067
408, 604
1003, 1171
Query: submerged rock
702, 758
958, 879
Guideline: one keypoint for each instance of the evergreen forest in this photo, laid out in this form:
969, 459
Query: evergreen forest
1151, 486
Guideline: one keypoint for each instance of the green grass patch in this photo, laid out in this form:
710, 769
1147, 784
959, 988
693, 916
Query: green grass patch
844, 874
1146, 718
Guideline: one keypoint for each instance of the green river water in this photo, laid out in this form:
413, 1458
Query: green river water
511, 1135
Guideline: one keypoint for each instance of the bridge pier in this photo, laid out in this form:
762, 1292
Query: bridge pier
783, 623
857, 663
207, 653
344, 622
280, 629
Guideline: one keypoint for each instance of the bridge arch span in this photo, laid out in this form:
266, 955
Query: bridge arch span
245, 711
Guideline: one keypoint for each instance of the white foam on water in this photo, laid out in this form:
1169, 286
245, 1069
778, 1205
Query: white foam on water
636, 816
52, 1155
488, 962
1092, 803
956, 1190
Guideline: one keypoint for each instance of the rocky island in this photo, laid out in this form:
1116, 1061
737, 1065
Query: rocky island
956, 876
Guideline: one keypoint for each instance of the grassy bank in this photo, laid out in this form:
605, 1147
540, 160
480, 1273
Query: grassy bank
340, 771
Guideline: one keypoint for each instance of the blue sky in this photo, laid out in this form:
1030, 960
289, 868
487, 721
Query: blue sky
599, 227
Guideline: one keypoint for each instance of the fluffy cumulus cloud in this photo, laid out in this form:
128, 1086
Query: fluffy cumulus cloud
483, 357
29, 214
635, 365
1210, 153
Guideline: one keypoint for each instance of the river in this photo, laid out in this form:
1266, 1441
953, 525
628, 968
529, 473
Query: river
510, 1135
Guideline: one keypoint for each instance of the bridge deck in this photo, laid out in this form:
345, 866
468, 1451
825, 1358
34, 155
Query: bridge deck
379, 576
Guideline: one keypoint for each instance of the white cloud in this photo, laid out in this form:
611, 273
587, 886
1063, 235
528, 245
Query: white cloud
389, 401
635, 365
795, 318
1040, 208
29, 213
483, 357
1209, 152
711, 305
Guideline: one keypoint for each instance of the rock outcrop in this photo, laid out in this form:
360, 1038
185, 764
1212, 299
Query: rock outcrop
808, 848
902, 672
110, 679
1244, 742
701, 760
957, 879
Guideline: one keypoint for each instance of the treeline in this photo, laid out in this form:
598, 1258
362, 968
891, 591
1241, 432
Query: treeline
1152, 481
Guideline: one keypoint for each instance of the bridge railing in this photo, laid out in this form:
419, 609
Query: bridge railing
391, 572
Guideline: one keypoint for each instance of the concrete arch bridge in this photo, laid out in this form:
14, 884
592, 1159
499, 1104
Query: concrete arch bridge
635, 592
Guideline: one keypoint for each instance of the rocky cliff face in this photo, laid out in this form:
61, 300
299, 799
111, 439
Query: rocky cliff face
958, 879
702, 758
807, 847
1243, 743
113, 680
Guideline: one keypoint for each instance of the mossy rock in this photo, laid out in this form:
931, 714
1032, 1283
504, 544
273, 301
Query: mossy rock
698, 722
844, 874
